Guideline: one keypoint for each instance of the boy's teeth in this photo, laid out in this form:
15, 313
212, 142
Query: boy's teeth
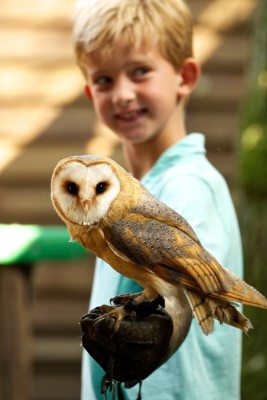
130, 115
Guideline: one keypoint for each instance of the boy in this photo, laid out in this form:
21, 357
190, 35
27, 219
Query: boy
136, 57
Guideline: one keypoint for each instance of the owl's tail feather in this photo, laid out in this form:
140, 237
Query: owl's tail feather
240, 292
206, 308
200, 311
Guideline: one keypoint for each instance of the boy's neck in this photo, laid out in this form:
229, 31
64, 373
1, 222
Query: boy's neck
141, 157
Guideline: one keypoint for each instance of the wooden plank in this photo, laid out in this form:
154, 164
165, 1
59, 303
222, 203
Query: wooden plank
222, 15
57, 349
219, 128
63, 280
17, 44
59, 385
35, 165
59, 316
217, 92
34, 206
226, 58
74, 125
15, 355
36, 13
21, 85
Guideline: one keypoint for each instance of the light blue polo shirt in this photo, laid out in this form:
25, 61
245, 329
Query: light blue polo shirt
204, 367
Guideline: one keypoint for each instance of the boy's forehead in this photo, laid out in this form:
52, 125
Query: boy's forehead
121, 50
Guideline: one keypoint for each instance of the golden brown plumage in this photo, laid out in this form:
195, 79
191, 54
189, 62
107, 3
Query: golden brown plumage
111, 214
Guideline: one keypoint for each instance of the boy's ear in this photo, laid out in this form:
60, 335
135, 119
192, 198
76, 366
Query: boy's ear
88, 92
188, 74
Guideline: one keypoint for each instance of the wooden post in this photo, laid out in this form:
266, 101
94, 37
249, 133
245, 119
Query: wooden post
15, 333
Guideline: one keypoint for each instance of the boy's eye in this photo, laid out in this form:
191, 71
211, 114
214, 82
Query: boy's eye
141, 71
102, 80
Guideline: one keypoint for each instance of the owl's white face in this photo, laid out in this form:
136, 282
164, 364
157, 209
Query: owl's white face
82, 194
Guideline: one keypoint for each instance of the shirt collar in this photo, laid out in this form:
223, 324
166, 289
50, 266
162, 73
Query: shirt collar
192, 144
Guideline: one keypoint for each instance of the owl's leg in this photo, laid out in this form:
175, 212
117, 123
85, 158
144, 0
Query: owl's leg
139, 302
144, 307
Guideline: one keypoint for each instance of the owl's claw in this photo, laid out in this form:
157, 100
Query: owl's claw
118, 314
129, 306
124, 298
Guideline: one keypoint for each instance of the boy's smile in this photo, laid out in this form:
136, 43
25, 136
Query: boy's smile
134, 91
130, 116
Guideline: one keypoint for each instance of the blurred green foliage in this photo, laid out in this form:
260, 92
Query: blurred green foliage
253, 146
252, 174
253, 224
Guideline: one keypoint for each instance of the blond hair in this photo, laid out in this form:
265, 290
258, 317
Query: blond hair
98, 24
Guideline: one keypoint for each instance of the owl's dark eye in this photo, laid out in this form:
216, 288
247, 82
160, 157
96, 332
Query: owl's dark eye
72, 188
101, 187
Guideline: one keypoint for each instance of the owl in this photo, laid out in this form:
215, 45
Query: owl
111, 213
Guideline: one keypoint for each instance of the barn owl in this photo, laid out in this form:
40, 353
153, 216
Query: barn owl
111, 213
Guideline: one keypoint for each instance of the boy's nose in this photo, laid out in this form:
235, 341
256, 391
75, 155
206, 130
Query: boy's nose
123, 92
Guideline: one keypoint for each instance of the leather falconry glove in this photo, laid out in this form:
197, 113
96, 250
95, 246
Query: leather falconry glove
140, 345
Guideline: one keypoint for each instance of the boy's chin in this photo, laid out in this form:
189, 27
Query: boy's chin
136, 141
136, 138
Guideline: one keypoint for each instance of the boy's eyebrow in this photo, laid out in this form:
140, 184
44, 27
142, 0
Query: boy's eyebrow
141, 58
95, 71
137, 61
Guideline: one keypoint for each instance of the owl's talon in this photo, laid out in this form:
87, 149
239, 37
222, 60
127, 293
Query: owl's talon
146, 307
118, 314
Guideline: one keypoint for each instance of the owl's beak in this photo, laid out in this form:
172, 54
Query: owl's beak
86, 203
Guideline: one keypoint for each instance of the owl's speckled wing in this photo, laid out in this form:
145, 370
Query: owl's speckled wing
169, 251
151, 207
